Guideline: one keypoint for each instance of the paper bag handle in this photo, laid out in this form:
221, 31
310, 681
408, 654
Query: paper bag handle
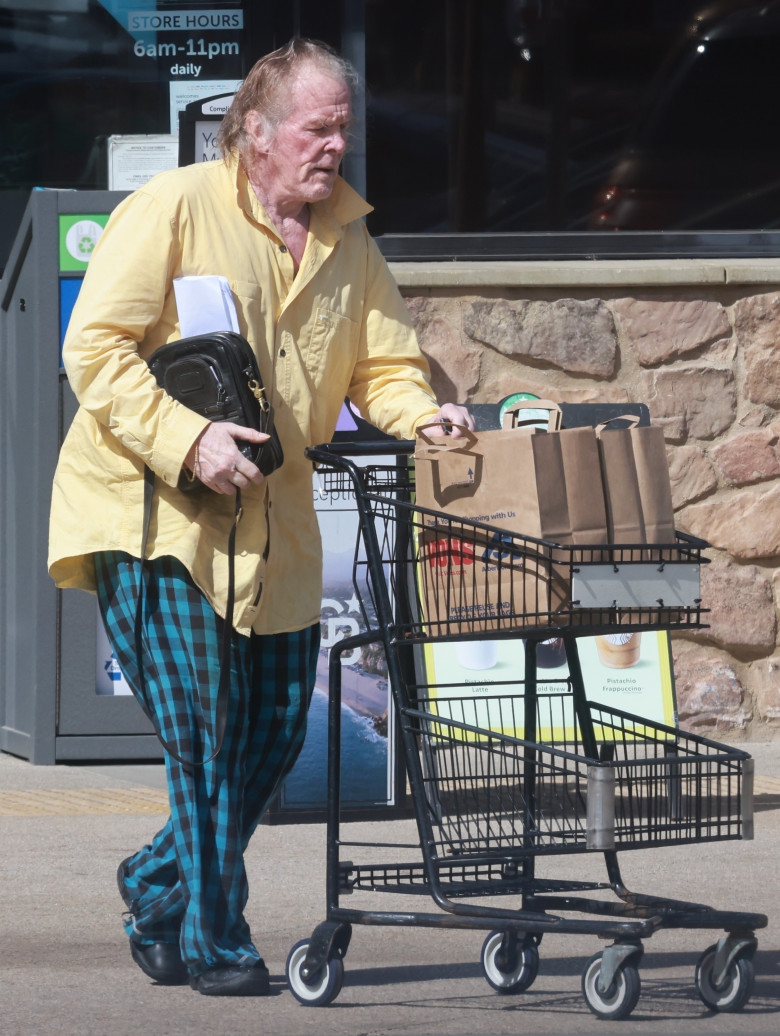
446, 442
632, 419
553, 422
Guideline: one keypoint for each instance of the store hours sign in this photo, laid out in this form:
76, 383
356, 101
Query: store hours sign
198, 50
183, 21
193, 41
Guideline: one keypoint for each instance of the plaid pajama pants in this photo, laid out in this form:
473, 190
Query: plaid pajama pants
190, 885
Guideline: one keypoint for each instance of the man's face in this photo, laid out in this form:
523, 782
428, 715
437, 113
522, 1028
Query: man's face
304, 155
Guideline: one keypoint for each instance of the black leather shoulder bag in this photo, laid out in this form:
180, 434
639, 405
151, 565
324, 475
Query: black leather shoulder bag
217, 376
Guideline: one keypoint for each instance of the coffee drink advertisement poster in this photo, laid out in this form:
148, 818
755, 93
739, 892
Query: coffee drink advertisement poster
627, 671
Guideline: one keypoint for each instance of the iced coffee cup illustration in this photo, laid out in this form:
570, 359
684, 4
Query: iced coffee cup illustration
477, 654
551, 654
619, 650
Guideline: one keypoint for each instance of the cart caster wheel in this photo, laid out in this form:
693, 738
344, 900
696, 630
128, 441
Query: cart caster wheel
620, 999
318, 989
513, 976
735, 989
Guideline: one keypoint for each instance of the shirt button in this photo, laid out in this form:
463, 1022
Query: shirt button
282, 248
282, 352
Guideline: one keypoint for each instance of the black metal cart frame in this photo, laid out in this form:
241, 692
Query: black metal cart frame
490, 801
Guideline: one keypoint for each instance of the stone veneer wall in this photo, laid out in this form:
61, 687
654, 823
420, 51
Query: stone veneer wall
697, 342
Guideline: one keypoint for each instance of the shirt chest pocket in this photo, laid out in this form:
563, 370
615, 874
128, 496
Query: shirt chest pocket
332, 347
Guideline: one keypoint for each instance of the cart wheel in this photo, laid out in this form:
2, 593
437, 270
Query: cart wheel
513, 979
319, 989
734, 991
620, 999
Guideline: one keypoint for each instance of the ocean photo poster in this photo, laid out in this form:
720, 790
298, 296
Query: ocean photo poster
368, 734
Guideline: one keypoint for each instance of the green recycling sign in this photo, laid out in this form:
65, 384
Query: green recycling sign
78, 236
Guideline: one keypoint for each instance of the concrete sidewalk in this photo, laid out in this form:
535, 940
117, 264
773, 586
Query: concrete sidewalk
65, 968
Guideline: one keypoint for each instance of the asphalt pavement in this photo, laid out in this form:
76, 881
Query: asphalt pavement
65, 968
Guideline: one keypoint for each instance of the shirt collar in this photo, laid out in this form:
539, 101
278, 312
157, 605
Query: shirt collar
344, 205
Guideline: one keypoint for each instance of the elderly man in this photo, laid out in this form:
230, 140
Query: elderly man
318, 305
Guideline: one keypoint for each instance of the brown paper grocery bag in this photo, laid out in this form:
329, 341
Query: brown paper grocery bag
472, 580
511, 480
655, 488
621, 485
578, 465
584, 489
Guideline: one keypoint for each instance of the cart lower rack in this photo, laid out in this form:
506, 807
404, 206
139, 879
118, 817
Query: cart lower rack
526, 770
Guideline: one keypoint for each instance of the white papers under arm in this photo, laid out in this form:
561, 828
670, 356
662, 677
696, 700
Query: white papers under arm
204, 304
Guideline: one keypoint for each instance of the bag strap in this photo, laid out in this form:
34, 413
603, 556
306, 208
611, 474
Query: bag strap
632, 421
466, 439
554, 418
223, 688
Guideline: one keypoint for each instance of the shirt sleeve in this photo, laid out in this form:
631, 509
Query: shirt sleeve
121, 300
391, 379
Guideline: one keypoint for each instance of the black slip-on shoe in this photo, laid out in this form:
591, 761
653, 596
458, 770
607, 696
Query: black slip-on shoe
161, 961
234, 980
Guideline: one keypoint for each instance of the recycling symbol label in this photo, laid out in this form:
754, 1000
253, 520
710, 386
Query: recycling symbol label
81, 239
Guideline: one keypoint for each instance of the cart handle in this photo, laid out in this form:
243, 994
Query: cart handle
464, 441
325, 452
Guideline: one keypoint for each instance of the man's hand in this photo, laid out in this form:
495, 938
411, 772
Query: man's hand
215, 459
449, 417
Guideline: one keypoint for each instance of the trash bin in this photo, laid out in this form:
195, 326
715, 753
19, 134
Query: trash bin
61, 696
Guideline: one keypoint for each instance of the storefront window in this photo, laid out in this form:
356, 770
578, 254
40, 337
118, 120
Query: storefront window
76, 73
481, 116
571, 115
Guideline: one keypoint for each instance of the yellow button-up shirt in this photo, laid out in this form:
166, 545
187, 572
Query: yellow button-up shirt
337, 327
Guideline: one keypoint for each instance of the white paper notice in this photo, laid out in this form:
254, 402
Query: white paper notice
204, 304
134, 160
185, 91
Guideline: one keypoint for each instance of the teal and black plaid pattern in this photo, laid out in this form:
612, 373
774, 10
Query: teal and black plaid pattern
190, 883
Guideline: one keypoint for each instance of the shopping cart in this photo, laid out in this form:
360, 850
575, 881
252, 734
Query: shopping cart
528, 768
